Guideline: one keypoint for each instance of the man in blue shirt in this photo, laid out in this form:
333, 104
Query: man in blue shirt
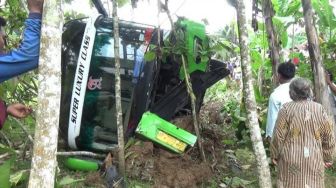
22, 59
25, 57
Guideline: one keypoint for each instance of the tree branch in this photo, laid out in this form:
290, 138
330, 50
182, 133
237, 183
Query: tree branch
81, 153
24, 129
7, 140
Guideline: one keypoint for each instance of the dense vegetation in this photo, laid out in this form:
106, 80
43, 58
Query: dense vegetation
15, 152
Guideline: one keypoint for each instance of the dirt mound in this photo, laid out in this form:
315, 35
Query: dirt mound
163, 168
180, 171
140, 161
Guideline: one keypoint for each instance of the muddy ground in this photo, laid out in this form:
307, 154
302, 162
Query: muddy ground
230, 163
162, 168
150, 165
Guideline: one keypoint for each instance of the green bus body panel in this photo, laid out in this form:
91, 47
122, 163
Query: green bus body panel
80, 164
193, 31
150, 124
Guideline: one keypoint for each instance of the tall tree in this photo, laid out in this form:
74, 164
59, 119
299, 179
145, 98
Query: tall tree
320, 86
121, 142
249, 99
46, 132
273, 42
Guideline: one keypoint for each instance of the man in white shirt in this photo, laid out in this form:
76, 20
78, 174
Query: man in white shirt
280, 96
332, 91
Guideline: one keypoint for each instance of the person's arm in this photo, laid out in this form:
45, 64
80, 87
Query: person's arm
327, 139
279, 136
24, 58
331, 85
35, 6
3, 113
17, 110
272, 114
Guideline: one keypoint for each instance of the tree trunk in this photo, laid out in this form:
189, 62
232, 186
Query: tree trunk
188, 85
193, 108
320, 86
46, 132
273, 42
121, 142
250, 103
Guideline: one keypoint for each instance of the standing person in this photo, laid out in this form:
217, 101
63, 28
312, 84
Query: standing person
22, 59
332, 91
280, 96
237, 73
230, 67
303, 143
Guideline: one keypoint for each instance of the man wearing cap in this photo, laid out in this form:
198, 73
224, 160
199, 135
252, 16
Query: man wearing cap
22, 59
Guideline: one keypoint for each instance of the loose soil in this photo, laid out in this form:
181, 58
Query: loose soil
229, 164
162, 168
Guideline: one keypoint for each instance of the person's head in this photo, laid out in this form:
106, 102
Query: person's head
300, 89
2, 34
286, 71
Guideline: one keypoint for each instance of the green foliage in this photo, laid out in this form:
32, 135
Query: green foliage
326, 17
330, 65
236, 182
328, 48
17, 90
229, 142
256, 61
7, 178
122, 3
258, 41
245, 155
217, 91
299, 55
281, 29
14, 21
67, 180
18, 177
224, 44
23, 90
5, 174
222, 48
150, 56
133, 183
67, 1
287, 7
232, 107
304, 70
225, 91
293, 8
71, 15
176, 44
258, 96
